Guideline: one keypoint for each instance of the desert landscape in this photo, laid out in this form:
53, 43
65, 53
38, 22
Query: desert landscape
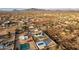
39, 29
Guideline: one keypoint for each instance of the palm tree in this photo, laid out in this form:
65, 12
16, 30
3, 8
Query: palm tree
16, 35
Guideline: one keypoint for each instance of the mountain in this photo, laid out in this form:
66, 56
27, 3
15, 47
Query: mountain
37, 9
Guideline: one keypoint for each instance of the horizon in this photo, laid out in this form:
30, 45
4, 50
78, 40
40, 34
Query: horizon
11, 9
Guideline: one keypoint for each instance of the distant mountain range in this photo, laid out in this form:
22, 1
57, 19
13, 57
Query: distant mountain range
38, 9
